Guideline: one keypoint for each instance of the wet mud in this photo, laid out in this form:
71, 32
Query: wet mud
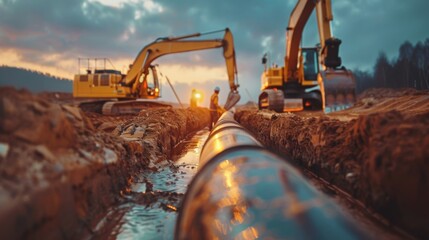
377, 151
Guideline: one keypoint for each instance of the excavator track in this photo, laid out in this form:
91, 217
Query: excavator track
92, 106
112, 107
130, 107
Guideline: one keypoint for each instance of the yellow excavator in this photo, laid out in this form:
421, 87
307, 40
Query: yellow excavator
135, 90
301, 84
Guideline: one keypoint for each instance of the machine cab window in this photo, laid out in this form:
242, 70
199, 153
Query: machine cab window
150, 79
310, 63
150, 85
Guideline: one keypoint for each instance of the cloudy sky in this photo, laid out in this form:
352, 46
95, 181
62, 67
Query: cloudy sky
49, 35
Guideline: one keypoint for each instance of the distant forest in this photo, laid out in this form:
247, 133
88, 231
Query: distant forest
409, 70
34, 81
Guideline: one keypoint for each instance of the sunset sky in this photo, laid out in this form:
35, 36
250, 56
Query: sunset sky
50, 35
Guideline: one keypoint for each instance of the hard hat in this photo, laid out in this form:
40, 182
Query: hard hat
217, 89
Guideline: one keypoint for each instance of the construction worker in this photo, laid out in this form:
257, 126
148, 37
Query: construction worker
214, 107
194, 98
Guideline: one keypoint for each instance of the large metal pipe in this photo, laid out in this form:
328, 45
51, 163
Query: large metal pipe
243, 191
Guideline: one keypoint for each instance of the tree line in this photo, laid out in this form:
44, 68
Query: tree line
409, 70
46, 74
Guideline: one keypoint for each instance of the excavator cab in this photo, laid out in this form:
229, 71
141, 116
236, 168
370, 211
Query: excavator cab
311, 81
310, 63
149, 87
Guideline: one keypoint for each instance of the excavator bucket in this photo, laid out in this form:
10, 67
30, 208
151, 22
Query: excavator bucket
340, 89
233, 98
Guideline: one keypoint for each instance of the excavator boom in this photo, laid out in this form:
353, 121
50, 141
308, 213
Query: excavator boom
297, 21
324, 19
157, 49
164, 46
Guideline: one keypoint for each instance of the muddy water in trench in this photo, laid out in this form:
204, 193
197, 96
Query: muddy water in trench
154, 218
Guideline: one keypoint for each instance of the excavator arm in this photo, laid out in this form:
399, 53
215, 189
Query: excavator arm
324, 18
172, 45
297, 21
329, 45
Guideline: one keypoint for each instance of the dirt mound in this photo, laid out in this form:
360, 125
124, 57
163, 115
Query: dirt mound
381, 93
57, 97
52, 160
378, 153
155, 131
407, 101
395, 157
60, 169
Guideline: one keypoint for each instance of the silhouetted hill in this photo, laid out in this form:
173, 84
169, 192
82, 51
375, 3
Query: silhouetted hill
32, 80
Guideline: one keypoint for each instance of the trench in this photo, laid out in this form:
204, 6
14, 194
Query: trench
149, 209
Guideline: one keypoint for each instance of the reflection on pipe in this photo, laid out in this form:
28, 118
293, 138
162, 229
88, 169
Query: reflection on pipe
242, 191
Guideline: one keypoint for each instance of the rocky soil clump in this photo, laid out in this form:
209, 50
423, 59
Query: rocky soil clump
377, 151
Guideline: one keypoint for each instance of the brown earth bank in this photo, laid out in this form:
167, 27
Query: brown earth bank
61, 168
377, 151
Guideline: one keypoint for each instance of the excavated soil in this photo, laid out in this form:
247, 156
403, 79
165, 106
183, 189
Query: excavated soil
61, 168
377, 151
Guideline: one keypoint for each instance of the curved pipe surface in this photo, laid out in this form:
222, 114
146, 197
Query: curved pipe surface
244, 191
226, 135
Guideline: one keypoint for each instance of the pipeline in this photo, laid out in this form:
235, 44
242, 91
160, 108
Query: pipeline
244, 191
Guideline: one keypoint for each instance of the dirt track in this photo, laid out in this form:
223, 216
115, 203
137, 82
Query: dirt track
60, 169
377, 151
